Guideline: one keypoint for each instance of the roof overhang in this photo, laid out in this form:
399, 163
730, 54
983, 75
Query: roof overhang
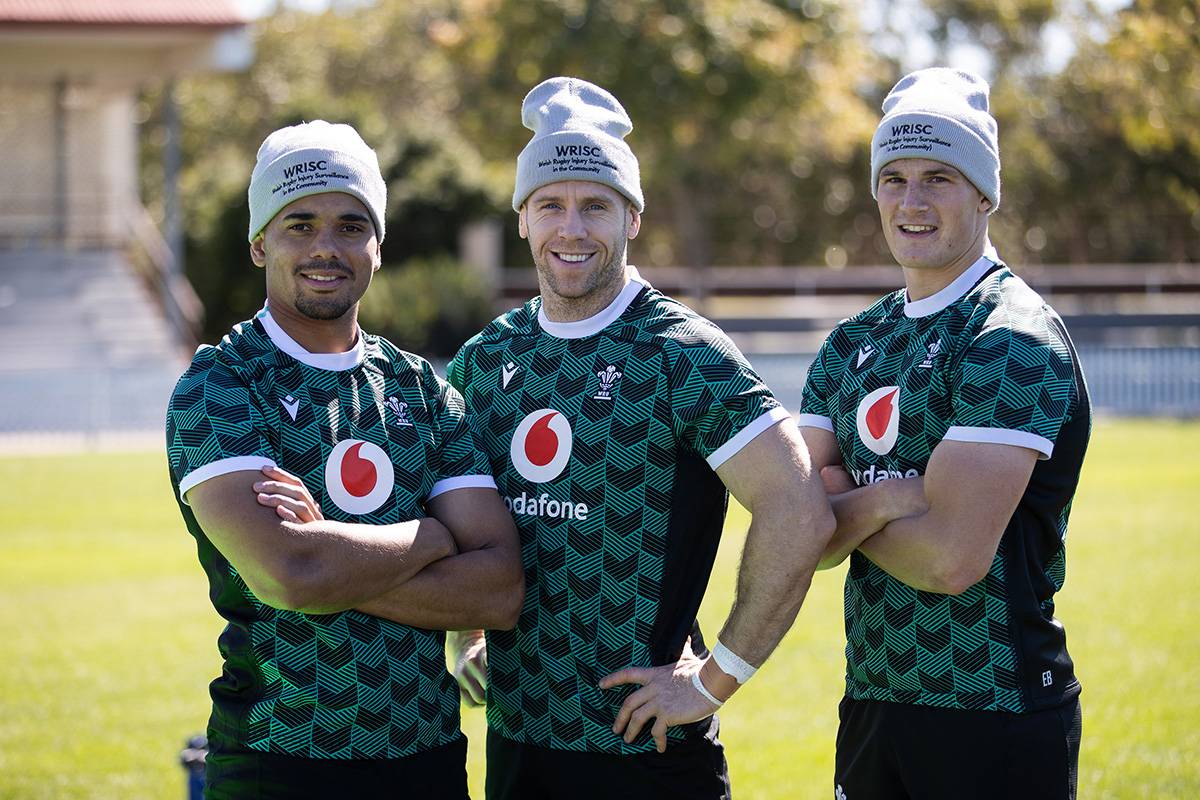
121, 40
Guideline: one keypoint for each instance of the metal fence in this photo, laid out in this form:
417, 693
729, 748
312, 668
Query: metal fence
106, 403
1124, 381
1143, 381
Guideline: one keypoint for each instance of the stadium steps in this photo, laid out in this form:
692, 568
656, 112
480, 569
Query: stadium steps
83, 345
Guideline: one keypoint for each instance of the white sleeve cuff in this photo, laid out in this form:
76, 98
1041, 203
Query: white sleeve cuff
461, 482
222, 467
743, 437
814, 421
1041, 444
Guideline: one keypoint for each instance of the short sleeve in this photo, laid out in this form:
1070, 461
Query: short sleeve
1013, 386
461, 462
814, 400
718, 402
214, 425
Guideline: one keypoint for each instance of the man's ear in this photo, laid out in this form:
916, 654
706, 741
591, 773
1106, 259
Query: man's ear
522, 225
257, 254
635, 222
985, 205
377, 260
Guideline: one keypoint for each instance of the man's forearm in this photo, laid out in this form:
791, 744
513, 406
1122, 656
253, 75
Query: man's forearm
478, 589
337, 566
777, 566
864, 511
919, 552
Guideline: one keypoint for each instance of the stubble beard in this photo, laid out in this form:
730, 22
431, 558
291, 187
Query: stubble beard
580, 303
326, 308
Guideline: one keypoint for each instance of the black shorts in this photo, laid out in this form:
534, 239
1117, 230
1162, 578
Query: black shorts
893, 751
690, 770
437, 774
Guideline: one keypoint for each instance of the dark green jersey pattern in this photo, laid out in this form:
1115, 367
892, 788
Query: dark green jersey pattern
603, 436
345, 685
985, 360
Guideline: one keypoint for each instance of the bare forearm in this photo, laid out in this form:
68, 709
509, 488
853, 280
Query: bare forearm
337, 566
479, 589
864, 511
916, 552
777, 566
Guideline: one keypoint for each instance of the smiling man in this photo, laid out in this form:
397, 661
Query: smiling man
615, 419
334, 682
950, 421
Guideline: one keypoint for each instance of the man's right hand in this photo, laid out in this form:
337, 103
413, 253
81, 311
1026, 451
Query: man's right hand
469, 649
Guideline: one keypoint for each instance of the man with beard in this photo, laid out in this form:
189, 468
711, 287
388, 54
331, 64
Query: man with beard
616, 419
334, 681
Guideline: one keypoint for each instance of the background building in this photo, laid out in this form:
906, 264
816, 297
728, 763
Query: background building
95, 315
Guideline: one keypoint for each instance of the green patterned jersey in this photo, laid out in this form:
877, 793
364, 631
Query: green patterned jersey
373, 433
604, 436
984, 360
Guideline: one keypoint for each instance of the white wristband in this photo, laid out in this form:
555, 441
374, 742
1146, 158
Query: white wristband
699, 684
732, 664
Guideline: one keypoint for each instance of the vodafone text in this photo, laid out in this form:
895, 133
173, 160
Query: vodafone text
542, 506
875, 474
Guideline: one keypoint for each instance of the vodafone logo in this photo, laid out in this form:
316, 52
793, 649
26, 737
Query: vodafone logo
358, 476
541, 445
878, 419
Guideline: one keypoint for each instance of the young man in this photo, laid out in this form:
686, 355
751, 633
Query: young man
334, 681
615, 418
953, 418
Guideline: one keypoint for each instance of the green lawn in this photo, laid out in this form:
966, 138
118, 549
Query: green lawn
110, 641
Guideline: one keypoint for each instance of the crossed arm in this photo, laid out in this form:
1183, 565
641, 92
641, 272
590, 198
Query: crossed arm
458, 568
938, 533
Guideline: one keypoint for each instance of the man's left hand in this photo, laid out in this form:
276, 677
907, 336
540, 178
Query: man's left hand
288, 495
836, 479
667, 695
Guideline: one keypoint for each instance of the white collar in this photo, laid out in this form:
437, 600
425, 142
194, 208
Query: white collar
331, 362
957, 288
599, 321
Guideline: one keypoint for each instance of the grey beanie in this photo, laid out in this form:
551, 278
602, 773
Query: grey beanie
940, 114
312, 158
579, 134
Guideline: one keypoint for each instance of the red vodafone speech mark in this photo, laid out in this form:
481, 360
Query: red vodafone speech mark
880, 414
541, 443
358, 474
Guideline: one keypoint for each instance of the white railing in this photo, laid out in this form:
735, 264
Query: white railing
157, 264
1123, 381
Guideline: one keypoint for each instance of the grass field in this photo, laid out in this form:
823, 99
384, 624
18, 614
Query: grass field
109, 640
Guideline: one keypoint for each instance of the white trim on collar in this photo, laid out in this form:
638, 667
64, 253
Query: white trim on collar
957, 288
331, 362
599, 321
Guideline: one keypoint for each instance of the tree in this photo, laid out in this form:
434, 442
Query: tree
749, 121
1108, 165
373, 67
